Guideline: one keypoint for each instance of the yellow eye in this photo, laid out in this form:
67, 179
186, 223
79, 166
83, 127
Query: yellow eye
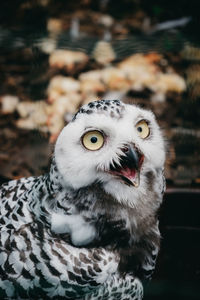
93, 140
143, 129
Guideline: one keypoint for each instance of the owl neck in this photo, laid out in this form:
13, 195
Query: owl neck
55, 181
51, 191
44, 194
51, 194
64, 194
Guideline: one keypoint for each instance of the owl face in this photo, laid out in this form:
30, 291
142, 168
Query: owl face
112, 143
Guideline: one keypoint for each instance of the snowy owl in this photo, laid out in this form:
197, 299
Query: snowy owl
88, 229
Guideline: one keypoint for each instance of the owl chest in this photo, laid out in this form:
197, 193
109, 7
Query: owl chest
95, 229
95, 219
112, 232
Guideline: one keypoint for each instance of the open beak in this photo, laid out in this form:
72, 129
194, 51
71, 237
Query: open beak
130, 164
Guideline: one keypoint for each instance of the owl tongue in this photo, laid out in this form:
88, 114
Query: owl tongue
129, 173
130, 176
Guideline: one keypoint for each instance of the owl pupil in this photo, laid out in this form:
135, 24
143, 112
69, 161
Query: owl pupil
139, 129
93, 139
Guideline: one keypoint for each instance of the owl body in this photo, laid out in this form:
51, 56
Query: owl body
88, 229
98, 220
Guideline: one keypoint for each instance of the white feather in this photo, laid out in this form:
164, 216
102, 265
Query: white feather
81, 232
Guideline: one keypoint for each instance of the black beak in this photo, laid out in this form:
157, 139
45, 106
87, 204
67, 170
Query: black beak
131, 159
130, 164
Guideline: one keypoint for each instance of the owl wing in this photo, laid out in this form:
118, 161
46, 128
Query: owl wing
117, 287
152, 240
33, 263
162, 182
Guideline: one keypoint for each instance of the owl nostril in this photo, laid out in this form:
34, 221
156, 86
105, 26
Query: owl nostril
125, 149
132, 157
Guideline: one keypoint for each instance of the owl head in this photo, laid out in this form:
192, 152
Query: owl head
112, 143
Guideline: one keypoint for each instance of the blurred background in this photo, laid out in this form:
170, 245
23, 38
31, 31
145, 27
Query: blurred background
57, 55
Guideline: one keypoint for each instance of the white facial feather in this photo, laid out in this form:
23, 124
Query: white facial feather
81, 167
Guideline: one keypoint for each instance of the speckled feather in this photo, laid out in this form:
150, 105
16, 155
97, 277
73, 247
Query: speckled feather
44, 255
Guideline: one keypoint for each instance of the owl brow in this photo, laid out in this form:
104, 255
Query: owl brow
141, 118
88, 129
